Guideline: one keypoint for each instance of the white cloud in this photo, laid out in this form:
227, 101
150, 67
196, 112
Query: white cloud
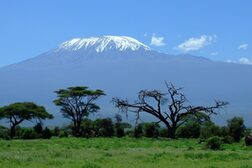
214, 53
230, 61
157, 41
193, 44
244, 60
243, 46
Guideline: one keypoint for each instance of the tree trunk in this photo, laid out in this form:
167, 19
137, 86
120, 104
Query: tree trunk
12, 131
76, 129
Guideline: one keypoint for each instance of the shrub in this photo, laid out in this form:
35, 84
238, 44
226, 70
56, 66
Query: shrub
248, 139
63, 133
151, 130
228, 139
38, 128
224, 131
189, 130
28, 133
138, 131
104, 127
47, 134
122, 128
56, 131
119, 130
214, 143
163, 132
4, 133
236, 128
209, 130
87, 128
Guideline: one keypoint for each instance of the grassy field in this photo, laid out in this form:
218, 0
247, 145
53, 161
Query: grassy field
119, 152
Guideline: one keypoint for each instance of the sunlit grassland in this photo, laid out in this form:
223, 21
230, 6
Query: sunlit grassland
119, 152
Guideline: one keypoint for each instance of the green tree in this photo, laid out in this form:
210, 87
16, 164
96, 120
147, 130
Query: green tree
77, 103
16, 113
236, 128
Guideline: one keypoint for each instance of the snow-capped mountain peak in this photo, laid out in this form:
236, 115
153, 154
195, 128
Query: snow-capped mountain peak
104, 43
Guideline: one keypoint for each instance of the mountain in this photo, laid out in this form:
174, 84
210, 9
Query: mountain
122, 66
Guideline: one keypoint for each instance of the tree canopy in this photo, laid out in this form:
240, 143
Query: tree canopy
77, 103
16, 113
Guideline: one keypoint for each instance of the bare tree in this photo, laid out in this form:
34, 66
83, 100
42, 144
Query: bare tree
176, 106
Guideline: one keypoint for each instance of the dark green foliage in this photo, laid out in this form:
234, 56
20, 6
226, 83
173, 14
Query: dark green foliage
151, 130
214, 143
104, 127
228, 139
77, 103
248, 139
38, 128
47, 134
4, 133
224, 131
138, 131
120, 128
189, 130
28, 133
87, 128
208, 130
60, 132
236, 128
63, 133
163, 132
16, 113
56, 131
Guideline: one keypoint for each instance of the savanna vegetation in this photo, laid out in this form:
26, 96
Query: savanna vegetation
180, 134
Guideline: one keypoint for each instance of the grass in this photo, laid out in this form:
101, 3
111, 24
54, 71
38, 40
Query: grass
119, 152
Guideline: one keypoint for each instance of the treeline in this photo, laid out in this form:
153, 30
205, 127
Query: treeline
174, 116
234, 131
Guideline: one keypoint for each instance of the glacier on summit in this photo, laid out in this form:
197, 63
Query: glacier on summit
100, 44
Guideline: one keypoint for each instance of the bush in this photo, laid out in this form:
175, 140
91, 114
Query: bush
104, 127
28, 133
209, 130
236, 128
87, 128
151, 130
47, 134
56, 131
4, 133
138, 131
63, 133
214, 143
163, 132
38, 128
248, 139
119, 130
228, 139
189, 130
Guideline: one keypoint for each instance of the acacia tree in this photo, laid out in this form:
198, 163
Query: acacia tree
176, 110
77, 103
16, 113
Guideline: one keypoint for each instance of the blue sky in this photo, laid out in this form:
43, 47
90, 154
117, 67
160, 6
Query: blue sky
216, 29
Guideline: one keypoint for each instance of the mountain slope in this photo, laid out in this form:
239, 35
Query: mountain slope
122, 69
